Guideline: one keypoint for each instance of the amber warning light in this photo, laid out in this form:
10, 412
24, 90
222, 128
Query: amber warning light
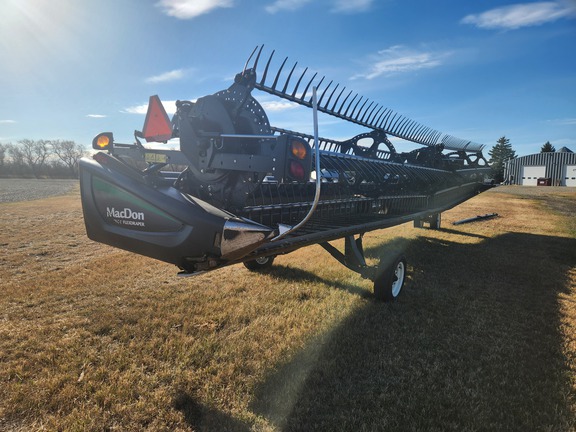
103, 141
157, 127
298, 161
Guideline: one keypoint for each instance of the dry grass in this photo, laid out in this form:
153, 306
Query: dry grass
482, 338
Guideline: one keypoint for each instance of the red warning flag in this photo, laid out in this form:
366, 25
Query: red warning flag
157, 125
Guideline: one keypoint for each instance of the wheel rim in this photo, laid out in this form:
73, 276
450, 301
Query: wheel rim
262, 260
399, 273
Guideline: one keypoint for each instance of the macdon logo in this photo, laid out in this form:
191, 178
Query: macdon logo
126, 216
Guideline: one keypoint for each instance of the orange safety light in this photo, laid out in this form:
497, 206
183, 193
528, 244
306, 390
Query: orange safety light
298, 160
157, 125
298, 149
103, 141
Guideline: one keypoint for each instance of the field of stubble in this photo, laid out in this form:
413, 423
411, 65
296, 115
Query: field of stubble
483, 336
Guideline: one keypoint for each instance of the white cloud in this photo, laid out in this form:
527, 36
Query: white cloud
169, 106
352, 6
278, 106
521, 15
136, 109
172, 75
340, 6
399, 59
96, 115
286, 5
564, 121
188, 9
7, 121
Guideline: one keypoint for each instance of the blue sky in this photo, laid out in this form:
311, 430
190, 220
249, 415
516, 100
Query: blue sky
474, 70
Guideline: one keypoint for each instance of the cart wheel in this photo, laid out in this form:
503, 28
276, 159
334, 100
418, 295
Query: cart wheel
390, 279
260, 263
435, 220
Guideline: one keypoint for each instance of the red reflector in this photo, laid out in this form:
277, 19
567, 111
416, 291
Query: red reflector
297, 170
157, 125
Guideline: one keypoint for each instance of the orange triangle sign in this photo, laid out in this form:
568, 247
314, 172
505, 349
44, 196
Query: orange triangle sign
157, 125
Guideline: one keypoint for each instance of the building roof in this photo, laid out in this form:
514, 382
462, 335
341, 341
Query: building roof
565, 150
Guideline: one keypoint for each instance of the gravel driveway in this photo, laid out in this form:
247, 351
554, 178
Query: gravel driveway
12, 190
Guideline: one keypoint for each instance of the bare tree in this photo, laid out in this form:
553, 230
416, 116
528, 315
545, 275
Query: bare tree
35, 154
16, 158
69, 153
2, 154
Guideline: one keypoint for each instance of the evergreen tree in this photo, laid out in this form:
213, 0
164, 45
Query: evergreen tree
547, 148
499, 154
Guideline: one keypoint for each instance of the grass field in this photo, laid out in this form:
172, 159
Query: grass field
483, 336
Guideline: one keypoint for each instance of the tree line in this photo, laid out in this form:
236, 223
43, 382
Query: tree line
59, 158
41, 158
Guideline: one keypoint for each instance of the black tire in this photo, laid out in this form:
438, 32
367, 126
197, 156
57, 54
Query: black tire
260, 263
390, 279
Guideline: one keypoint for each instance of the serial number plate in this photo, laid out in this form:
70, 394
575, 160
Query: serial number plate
155, 158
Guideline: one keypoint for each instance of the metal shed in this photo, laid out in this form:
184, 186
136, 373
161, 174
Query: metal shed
543, 169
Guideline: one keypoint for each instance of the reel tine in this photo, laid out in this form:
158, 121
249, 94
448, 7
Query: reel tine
298, 83
350, 104
359, 111
412, 129
318, 88
344, 101
367, 110
418, 132
421, 132
330, 98
288, 79
324, 92
432, 137
405, 127
278, 74
249, 58
369, 115
263, 80
375, 123
394, 127
387, 125
258, 57
352, 107
428, 137
303, 97
435, 137
356, 106
402, 125
385, 119
337, 98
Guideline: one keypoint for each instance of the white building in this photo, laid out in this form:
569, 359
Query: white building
543, 169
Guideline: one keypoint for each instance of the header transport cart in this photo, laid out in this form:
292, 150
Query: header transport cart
242, 190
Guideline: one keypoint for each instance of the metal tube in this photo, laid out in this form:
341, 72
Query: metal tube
317, 168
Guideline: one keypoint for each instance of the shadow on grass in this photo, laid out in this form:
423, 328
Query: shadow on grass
474, 343
202, 418
298, 275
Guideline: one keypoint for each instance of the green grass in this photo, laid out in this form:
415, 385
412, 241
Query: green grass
482, 337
